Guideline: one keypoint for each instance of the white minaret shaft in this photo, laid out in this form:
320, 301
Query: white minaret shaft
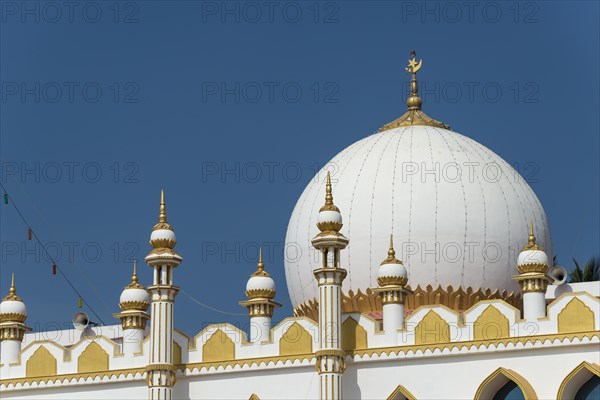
331, 359
260, 291
532, 265
392, 278
12, 328
160, 371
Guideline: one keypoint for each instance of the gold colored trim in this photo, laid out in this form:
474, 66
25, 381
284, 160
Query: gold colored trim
594, 369
511, 375
391, 258
60, 378
13, 317
533, 267
414, 115
260, 266
458, 300
403, 391
134, 279
576, 316
162, 215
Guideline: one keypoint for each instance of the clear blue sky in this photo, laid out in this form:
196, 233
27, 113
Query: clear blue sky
156, 94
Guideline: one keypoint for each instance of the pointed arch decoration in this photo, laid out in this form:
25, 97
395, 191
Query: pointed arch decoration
575, 317
499, 378
41, 363
401, 393
354, 336
219, 347
491, 324
576, 378
296, 340
432, 329
93, 359
254, 397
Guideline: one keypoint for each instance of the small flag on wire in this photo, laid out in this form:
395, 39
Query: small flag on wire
5, 198
79, 302
53, 269
29, 233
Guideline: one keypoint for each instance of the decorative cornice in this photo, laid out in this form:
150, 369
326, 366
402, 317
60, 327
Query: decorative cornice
13, 317
533, 267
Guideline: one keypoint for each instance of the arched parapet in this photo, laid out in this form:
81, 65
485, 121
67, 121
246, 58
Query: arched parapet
497, 379
574, 312
490, 320
217, 342
181, 346
354, 334
401, 393
576, 378
431, 325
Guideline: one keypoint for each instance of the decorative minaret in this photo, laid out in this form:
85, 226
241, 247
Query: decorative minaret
331, 362
12, 328
260, 291
532, 265
134, 303
392, 278
160, 372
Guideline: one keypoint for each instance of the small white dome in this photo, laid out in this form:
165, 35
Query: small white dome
532, 257
163, 238
330, 216
134, 295
260, 283
392, 270
13, 307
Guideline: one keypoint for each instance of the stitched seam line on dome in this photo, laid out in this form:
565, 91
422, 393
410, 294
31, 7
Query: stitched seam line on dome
525, 216
312, 282
408, 261
352, 199
372, 202
483, 284
462, 186
481, 153
435, 230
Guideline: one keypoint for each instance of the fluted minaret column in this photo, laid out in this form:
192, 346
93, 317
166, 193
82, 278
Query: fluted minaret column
134, 303
331, 362
260, 291
160, 371
392, 278
12, 328
532, 265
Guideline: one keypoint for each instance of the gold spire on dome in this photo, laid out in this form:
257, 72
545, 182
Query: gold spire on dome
532, 244
162, 215
260, 267
391, 259
414, 115
329, 206
134, 279
12, 292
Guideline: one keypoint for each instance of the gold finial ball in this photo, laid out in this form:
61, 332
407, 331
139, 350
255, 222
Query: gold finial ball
414, 103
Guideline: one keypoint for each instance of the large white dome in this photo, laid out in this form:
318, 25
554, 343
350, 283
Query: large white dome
426, 185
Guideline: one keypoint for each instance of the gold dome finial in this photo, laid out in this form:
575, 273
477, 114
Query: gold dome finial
260, 267
12, 292
162, 214
414, 115
329, 206
532, 243
391, 259
134, 278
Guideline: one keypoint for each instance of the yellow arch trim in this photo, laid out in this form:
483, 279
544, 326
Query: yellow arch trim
403, 391
254, 397
593, 369
509, 374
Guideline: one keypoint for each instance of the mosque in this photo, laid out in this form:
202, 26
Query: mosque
421, 269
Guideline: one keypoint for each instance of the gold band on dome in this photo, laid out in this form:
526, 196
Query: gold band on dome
456, 299
414, 115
